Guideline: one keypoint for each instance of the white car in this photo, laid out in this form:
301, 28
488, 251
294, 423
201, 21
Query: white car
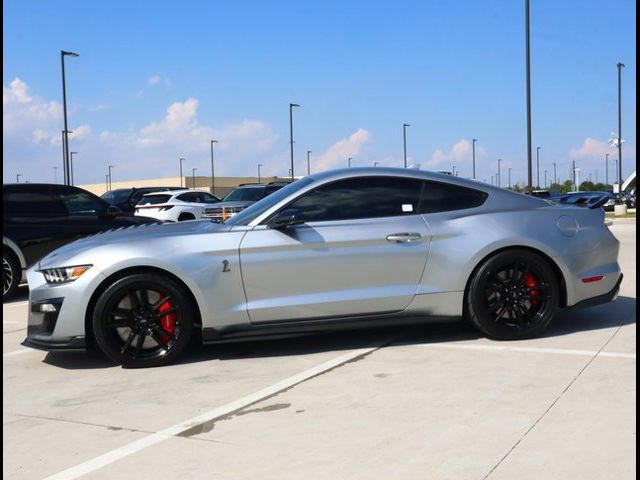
176, 205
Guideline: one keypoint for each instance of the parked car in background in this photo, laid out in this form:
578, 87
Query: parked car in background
605, 200
545, 193
241, 197
38, 218
176, 206
128, 198
350, 248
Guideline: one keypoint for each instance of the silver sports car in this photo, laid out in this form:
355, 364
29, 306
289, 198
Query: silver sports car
341, 249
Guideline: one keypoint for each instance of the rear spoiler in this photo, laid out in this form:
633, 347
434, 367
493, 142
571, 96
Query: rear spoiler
588, 201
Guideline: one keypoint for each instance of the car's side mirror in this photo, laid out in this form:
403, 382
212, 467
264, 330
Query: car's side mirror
113, 211
285, 218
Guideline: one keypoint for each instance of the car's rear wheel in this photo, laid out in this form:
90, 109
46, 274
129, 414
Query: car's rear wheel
143, 320
513, 295
10, 275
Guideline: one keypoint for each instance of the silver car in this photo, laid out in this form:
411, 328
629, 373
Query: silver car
341, 249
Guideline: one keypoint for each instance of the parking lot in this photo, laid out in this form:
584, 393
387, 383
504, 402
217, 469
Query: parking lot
427, 402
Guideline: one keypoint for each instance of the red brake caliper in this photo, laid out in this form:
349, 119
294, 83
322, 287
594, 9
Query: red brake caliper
168, 322
530, 281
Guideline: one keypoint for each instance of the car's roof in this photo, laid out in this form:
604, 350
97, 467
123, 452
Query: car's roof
175, 192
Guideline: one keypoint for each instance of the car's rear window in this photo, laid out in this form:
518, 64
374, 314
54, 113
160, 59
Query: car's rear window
154, 199
251, 194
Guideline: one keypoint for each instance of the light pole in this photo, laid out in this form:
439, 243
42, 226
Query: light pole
620, 67
555, 177
404, 136
499, 174
573, 176
528, 88
473, 148
18, 177
491, 179
375, 164
453, 170
259, 165
538, 166
509, 177
67, 173
71, 154
181, 160
55, 174
110, 167
193, 177
291, 105
308, 163
349, 162
213, 176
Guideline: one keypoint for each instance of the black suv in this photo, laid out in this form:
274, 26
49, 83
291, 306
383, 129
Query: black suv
38, 218
240, 198
128, 198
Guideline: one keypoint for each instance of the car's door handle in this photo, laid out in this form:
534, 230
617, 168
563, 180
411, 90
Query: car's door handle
404, 237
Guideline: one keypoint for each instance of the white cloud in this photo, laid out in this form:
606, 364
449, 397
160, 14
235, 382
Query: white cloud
154, 80
460, 152
591, 148
337, 154
24, 114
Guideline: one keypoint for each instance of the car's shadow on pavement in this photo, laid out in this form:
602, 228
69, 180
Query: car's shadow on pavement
619, 313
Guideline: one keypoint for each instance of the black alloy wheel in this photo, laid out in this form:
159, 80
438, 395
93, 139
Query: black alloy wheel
143, 320
513, 295
10, 274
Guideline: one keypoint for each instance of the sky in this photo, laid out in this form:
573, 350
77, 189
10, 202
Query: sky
156, 81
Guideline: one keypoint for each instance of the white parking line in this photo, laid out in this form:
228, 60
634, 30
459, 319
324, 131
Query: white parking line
150, 440
560, 351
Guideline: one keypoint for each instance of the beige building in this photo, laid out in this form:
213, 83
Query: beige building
223, 184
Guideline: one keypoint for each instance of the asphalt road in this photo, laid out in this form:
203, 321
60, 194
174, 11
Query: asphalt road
430, 402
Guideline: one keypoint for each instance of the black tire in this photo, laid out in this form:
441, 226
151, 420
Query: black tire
512, 295
11, 275
143, 320
185, 216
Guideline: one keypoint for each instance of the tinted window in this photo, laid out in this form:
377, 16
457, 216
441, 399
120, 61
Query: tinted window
33, 204
443, 197
154, 199
80, 203
117, 196
369, 197
250, 194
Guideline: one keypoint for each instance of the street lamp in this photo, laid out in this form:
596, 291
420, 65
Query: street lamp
18, 177
67, 177
291, 105
499, 174
213, 177
349, 162
538, 166
181, 160
110, 167
375, 164
555, 177
193, 177
308, 163
528, 88
259, 165
71, 154
404, 136
620, 67
473, 147
509, 177
453, 170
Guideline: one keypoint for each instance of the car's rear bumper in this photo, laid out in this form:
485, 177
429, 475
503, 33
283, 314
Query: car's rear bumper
600, 299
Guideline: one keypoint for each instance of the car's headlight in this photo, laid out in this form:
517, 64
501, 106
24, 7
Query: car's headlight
64, 274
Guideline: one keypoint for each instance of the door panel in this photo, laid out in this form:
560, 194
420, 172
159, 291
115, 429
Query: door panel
333, 268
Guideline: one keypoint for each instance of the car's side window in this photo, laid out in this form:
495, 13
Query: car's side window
32, 204
82, 204
368, 197
444, 197
185, 197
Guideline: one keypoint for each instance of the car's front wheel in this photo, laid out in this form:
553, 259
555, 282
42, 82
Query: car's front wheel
11, 274
143, 320
513, 295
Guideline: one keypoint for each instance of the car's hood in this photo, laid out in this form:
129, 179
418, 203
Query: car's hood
131, 234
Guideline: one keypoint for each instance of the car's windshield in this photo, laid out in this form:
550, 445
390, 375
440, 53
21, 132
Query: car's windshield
249, 214
117, 196
248, 194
